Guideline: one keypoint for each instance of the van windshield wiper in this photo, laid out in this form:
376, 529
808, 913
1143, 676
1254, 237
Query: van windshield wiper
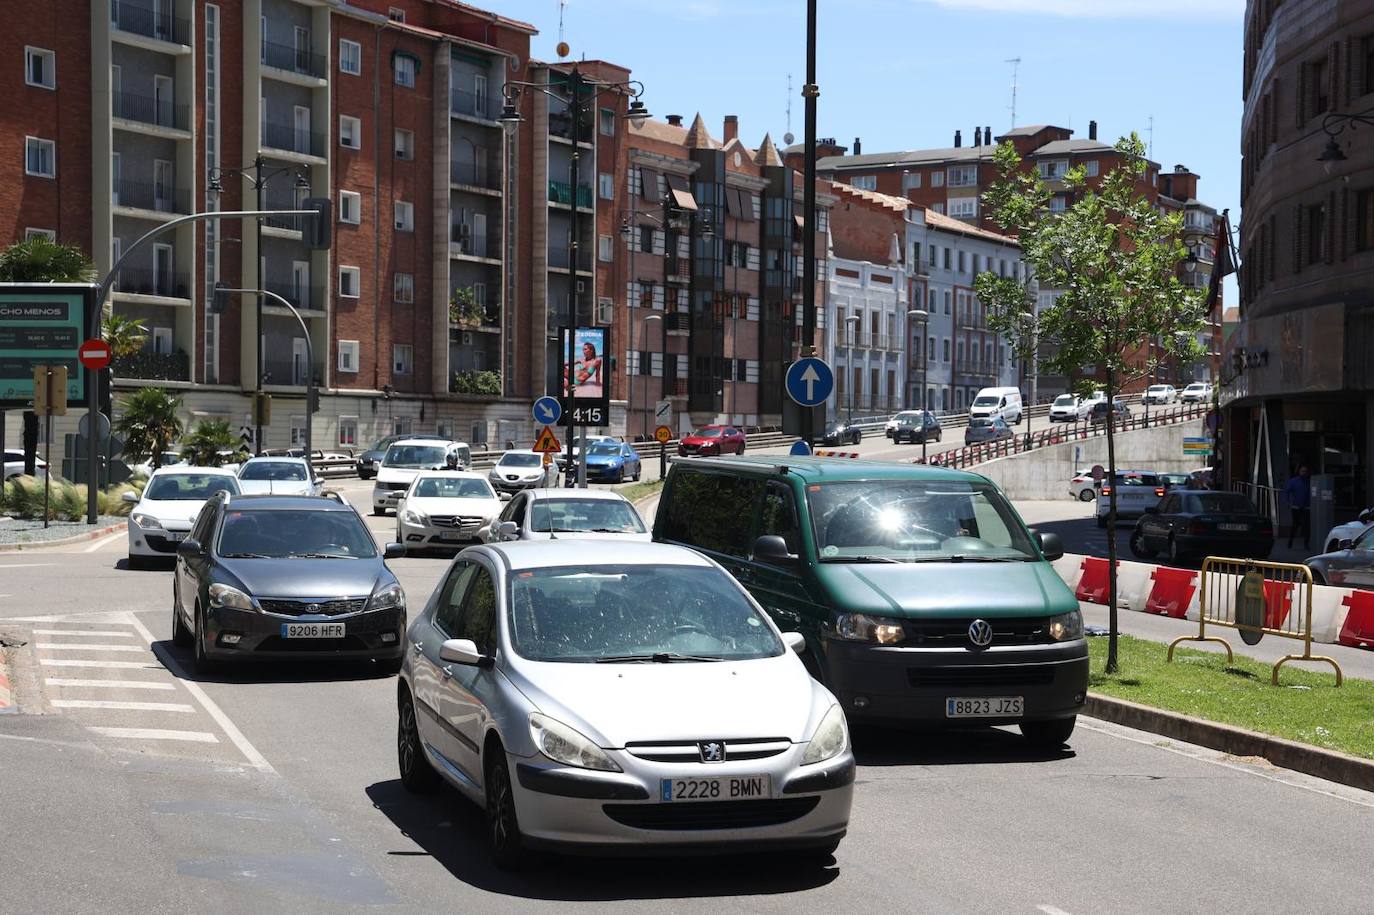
658, 657
966, 557
882, 559
247, 556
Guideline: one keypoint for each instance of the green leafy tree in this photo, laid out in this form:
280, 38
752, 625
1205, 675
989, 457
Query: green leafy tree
38, 260
125, 335
149, 423
1123, 308
203, 444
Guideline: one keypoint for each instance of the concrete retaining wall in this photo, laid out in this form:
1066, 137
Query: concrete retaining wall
1045, 472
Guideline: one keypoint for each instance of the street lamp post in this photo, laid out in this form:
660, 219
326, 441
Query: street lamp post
1335, 124
1033, 323
577, 88
647, 319
921, 316
852, 321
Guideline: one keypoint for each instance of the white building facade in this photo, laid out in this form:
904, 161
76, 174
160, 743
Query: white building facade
866, 305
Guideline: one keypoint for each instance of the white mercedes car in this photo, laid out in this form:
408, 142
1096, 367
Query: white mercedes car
445, 508
169, 506
639, 700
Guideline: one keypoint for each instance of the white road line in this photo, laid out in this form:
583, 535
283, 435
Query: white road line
1051, 910
102, 542
122, 706
250, 752
85, 646
27, 565
87, 632
155, 734
107, 684
102, 665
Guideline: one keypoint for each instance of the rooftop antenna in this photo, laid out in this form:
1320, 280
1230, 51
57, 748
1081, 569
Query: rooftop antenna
562, 8
788, 138
1015, 69
1150, 145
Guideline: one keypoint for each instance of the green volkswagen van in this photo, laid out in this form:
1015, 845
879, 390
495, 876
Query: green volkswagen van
922, 595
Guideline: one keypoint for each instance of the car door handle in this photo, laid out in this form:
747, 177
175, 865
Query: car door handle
419, 646
447, 671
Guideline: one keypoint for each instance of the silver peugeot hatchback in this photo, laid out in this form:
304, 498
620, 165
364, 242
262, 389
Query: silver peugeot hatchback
635, 699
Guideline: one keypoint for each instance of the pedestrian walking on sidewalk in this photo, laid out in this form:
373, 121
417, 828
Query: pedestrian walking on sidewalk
1299, 494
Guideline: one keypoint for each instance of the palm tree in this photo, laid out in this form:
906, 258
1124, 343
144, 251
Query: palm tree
202, 445
39, 260
125, 335
149, 423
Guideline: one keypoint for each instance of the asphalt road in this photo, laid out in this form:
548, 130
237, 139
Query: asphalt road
287, 799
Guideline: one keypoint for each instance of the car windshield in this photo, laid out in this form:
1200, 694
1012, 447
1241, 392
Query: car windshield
635, 613
520, 460
1231, 503
916, 521
979, 422
604, 448
294, 533
413, 456
190, 487
605, 516
908, 417
1064, 400
451, 488
273, 470
707, 433
986, 401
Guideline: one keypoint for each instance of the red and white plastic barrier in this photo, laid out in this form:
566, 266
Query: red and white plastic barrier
838, 454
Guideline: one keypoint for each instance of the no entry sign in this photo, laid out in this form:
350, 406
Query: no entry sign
94, 354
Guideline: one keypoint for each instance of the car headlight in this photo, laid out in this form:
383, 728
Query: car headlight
148, 522
860, 627
1066, 626
388, 598
230, 598
411, 517
562, 744
830, 738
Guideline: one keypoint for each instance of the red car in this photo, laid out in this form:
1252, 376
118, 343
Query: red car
713, 440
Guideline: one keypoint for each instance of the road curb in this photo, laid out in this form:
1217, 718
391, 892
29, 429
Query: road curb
1288, 754
65, 541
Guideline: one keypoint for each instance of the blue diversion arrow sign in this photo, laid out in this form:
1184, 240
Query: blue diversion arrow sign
547, 410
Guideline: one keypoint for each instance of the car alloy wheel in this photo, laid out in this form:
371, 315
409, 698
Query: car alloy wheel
1138, 547
203, 663
417, 775
1085, 495
503, 828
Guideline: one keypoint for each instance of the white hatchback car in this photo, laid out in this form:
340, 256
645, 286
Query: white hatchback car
518, 470
444, 508
1197, 392
1159, 394
1351, 530
14, 465
640, 700
567, 514
278, 476
171, 501
1069, 408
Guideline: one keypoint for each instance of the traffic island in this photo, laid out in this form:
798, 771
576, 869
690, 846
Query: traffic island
29, 533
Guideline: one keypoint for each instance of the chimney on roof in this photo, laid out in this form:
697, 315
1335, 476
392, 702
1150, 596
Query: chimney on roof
958, 139
977, 136
1092, 130
987, 135
675, 120
858, 147
731, 130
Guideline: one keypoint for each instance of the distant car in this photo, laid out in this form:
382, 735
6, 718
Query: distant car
369, 459
916, 426
1069, 408
841, 433
518, 470
1351, 530
712, 440
1200, 522
1159, 394
1350, 565
613, 462
278, 476
1176, 480
263, 577
561, 458
1197, 392
983, 429
890, 425
1136, 491
169, 459
407, 457
567, 514
1121, 411
173, 498
1082, 486
445, 508
14, 465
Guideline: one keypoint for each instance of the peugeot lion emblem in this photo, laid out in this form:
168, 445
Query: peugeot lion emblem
980, 633
712, 751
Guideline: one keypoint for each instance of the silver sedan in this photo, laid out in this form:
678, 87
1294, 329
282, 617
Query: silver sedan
639, 700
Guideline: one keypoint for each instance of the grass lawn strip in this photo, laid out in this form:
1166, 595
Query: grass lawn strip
1306, 706
636, 491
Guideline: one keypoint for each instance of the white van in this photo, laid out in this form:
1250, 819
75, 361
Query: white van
992, 402
406, 458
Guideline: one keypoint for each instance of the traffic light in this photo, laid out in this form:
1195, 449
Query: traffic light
319, 229
312, 399
262, 409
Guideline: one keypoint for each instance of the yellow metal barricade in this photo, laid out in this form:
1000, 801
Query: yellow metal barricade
1257, 599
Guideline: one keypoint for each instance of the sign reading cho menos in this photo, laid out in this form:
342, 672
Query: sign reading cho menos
41, 325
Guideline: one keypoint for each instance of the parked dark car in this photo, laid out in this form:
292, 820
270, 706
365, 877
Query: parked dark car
986, 429
1350, 566
369, 459
842, 433
916, 426
263, 577
712, 440
1120, 409
1201, 522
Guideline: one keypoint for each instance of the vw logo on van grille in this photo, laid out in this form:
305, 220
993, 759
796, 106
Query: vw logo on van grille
980, 633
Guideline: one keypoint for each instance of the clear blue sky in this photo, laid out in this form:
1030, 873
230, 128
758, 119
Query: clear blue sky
904, 74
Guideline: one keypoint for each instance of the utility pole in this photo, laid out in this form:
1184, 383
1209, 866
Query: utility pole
1015, 69
575, 302
810, 92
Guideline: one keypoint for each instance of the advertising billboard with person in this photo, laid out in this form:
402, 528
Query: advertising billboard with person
589, 374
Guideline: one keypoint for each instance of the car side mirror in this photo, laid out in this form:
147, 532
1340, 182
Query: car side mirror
1346, 544
1050, 544
130, 497
772, 549
1366, 516
453, 462
795, 641
189, 549
393, 551
507, 530
463, 651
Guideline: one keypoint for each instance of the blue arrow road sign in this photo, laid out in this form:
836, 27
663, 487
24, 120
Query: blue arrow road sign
800, 449
809, 381
547, 410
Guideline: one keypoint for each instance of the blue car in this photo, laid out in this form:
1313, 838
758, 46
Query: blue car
612, 462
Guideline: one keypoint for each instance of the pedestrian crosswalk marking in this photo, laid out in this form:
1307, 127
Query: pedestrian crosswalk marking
122, 706
155, 734
84, 646
106, 684
92, 633
104, 665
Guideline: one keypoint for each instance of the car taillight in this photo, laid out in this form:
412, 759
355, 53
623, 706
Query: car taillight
1159, 491
1106, 490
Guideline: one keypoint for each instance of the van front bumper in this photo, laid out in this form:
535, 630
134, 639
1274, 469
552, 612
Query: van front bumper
900, 685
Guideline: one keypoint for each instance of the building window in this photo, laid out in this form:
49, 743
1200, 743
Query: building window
948, 299
404, 214
1058, 203
945, 349
911, 180
605, 248
1364, 213
606, 122
1316, 233
350, 57
963, 207
400, 425
736, 254
606, 186
937, 179
40, 68
1053, 169
939, 208
402, 358
350, 282
350, 207
350, 132
949, 258
49, 234
646, 239
348, 355
1319, 87
963, 176
403, 287
40, 157
405, 144
348, 431
396, 14
1090, 168
864, 182
404, 67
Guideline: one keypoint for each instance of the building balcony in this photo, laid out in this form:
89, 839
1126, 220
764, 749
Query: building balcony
677, 269
289, 372
292, 139
159, 198
474, 174
677, 321
465, 244
294, 59
144, 109
165, 284
284, 223
488, 323
470, 104
562, 192
306, 298
137, 19
560, 258
561, 125
150, 366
